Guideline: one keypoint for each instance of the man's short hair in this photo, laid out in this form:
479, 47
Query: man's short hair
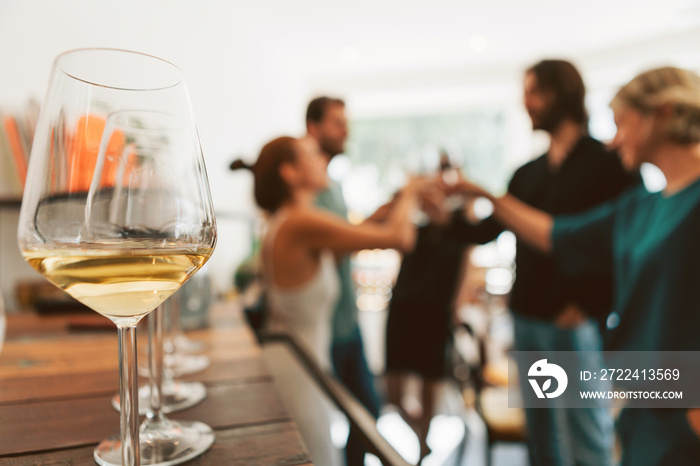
316, 111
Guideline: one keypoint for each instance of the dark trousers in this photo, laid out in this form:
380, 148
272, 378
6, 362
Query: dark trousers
351, 368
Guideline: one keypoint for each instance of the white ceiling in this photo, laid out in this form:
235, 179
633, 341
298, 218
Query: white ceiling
371, 36
364, 41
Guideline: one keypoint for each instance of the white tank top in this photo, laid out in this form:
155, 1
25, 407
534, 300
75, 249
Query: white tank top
305, 311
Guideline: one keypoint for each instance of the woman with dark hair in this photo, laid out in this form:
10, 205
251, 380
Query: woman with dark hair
646, 242
298, 258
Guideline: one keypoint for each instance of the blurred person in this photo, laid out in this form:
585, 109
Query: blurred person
421, 312
552, 308
326, 123
298, 257
647, 243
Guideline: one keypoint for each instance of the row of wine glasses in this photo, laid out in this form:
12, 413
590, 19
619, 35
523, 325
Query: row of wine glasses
116, 209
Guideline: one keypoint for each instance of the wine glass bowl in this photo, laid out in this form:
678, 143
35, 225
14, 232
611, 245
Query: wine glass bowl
116, 209
135, 236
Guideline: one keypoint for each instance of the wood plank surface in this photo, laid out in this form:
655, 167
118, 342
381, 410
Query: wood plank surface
58, 375
80, 365
276, 444
69, 385
48, 425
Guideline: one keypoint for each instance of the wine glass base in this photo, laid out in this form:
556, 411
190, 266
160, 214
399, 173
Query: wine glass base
176, 396
178, 365
185, 345
181, 442
185, 364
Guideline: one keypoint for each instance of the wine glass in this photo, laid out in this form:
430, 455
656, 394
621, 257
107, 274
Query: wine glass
151, 138
116, 210
179, 357
181, 342
178, 361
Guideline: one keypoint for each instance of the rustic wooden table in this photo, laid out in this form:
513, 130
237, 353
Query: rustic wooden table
59, 373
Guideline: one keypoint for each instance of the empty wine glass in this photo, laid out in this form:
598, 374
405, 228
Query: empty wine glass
116, 210
163, 442
176, 361
167, 441
177, 338
173, 395
179, 361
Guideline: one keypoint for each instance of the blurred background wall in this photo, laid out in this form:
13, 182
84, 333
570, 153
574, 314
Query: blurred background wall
451, 68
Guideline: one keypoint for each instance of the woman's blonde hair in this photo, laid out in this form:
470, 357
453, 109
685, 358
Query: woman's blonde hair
674, 88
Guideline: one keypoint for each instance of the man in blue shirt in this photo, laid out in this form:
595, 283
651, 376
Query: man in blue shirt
326, 123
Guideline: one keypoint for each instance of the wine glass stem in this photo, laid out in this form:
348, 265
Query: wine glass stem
128, 394
155, 361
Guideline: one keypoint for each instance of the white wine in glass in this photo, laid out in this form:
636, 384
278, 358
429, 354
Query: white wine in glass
116, 209
118, 283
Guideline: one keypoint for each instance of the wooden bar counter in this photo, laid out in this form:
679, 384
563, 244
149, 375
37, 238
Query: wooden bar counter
58, 375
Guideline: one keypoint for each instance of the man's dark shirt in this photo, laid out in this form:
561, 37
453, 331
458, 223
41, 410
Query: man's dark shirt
588, 176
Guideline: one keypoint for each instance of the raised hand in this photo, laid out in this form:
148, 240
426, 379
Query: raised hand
464, 186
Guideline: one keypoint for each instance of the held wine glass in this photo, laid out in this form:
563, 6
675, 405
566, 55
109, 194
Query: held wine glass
113, 215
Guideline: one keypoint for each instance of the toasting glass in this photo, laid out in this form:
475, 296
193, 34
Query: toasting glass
116, 209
